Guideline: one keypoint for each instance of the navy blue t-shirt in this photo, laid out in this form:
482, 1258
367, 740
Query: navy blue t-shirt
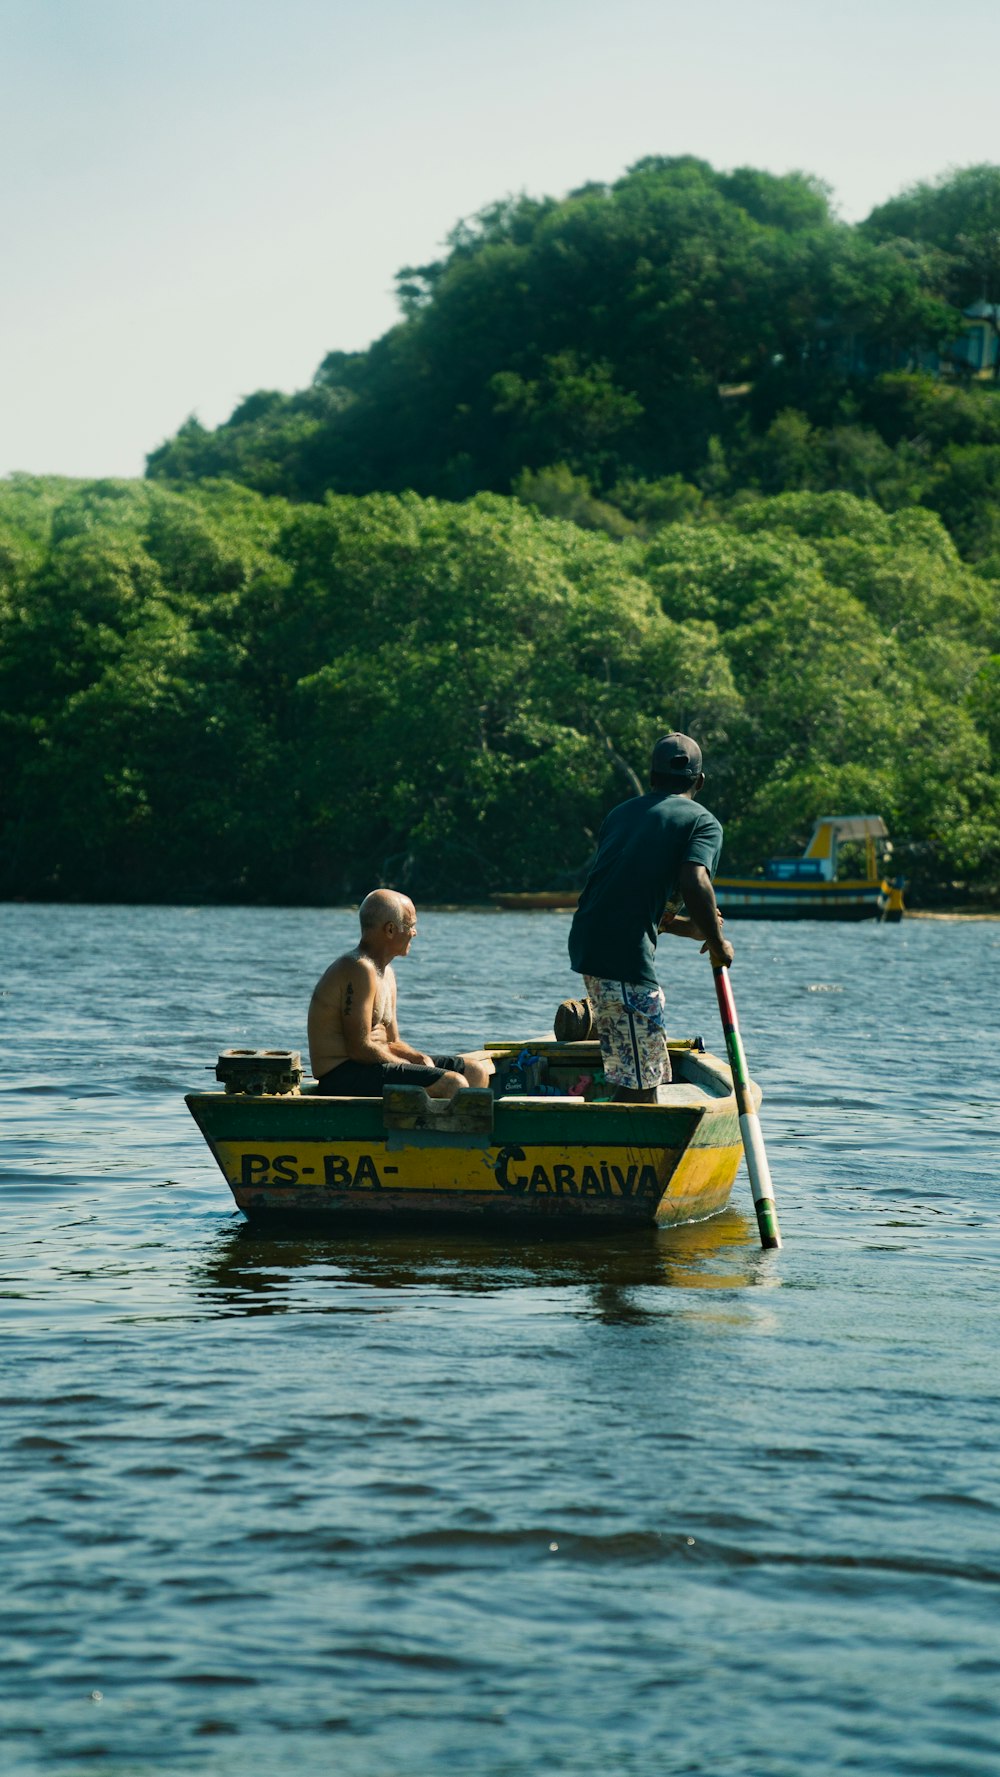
640, 850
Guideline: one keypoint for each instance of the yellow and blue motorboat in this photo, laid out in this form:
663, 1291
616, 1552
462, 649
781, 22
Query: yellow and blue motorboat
809, 888
545, 1148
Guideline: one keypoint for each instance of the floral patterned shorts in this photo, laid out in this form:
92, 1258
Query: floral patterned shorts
630, 1023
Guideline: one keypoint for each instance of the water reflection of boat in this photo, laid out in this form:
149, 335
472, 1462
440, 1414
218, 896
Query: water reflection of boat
546, 1153
257, 1270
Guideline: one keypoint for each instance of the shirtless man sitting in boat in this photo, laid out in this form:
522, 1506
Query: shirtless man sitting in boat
355, 1048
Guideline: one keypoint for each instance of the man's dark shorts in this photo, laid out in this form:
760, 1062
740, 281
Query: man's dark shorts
368, 1079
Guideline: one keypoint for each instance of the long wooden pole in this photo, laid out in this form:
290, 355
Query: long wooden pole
753, 1141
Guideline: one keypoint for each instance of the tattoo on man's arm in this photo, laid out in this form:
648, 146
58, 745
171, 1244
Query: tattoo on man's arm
349, 996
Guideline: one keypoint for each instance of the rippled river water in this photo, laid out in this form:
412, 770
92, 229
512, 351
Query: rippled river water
393, 1506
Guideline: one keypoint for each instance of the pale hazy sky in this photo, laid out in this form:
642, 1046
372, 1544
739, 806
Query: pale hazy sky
202, 197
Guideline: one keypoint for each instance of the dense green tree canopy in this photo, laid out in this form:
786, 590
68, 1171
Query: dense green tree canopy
600, 331
211, 693
958, 216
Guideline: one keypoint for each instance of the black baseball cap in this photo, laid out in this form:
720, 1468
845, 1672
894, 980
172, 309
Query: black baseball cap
676, 755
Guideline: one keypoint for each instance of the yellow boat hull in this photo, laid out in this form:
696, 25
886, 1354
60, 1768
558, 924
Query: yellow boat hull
555, 1161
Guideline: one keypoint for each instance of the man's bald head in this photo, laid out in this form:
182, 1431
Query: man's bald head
385, 907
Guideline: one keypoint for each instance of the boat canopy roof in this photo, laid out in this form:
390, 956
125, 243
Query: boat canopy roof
844, 826
832, 828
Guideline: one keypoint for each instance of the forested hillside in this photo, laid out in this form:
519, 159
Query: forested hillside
684, 451
628, 353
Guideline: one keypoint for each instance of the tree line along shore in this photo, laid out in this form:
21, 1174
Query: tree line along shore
684, 451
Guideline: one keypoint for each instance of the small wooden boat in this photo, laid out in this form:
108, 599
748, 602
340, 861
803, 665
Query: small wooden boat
808, 887
541, 898
542, 1149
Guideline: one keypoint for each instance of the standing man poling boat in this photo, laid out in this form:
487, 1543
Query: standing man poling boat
650, 850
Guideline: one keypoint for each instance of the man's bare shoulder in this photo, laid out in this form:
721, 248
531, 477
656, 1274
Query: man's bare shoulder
347, 968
